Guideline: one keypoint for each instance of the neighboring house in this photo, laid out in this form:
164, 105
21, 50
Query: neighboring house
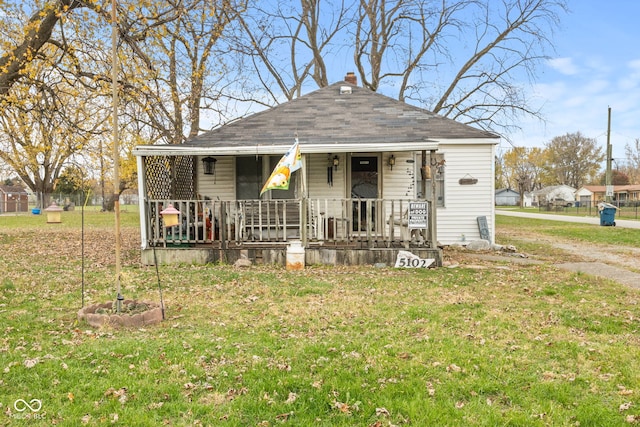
527, 199
13, 199
547, 195
507, 197
591, 195
365, 158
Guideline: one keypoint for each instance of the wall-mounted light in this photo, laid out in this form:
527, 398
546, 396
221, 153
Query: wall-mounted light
209, 165
336, 162
392, 161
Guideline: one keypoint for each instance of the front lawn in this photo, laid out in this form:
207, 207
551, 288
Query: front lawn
481, 345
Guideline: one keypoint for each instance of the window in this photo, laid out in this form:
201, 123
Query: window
251, 176
248, 177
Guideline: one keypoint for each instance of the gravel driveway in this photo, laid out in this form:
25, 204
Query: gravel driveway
619, 263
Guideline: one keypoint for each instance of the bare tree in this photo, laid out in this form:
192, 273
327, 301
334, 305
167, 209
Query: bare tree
460, 59
285, 45
632, 168
463, 59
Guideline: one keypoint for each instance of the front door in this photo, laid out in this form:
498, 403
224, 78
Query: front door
364, 188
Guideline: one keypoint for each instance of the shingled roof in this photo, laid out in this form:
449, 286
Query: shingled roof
337, 118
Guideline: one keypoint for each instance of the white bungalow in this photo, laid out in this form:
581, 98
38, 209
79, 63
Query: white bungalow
367, 159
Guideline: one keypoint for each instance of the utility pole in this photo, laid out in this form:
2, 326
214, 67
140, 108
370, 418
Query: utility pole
607, 180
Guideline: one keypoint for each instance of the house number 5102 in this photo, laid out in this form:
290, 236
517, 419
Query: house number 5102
413, 262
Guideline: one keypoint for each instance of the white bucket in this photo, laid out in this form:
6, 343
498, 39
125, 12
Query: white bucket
295, 256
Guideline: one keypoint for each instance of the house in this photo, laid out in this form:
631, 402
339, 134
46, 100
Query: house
548, 195
13, 198
372, 170
507, 197
591, 195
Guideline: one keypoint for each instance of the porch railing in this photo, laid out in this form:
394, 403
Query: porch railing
233, 223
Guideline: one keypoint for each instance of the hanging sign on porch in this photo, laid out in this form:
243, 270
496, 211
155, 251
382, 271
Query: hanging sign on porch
418, 214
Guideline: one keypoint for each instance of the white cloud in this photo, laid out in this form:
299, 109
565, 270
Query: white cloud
564, 66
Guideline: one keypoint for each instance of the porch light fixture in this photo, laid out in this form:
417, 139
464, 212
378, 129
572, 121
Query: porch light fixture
170, 216
53, 214
392, 161
209, 165
336, 162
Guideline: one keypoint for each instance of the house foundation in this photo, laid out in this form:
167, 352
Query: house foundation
278, 256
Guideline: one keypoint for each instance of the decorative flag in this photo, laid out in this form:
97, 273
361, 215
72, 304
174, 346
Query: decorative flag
281, 175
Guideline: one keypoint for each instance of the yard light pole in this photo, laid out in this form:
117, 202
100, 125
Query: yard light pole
116, 150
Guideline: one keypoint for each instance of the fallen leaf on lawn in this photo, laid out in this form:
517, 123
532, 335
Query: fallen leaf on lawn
283, 417
459, 405
30, 363
342, 407
85, 419
430, 389
382, 412
292, 398
624, 406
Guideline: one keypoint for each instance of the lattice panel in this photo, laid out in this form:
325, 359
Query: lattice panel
158, 177
170, 177
184, 178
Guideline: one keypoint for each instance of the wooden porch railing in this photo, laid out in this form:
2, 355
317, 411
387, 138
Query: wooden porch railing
233, 223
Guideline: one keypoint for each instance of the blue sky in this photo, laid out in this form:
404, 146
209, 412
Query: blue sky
596, 66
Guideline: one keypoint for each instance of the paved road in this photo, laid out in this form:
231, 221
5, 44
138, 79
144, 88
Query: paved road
625, 223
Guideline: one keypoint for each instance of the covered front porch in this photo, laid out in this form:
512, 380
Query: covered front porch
331, 231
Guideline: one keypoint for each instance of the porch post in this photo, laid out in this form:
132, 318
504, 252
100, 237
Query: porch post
302, 188
433, 217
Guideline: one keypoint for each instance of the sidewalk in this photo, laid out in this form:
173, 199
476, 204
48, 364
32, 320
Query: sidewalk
624, 223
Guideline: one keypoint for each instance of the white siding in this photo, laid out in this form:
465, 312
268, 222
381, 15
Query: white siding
399, 182
220, 186
457, 220
317, 177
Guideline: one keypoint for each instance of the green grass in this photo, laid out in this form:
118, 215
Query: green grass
525, 345
576, 231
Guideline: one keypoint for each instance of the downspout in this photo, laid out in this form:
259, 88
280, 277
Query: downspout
142, 202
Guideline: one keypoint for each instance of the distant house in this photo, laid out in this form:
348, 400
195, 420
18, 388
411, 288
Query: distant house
591, 195
13, 199
366, 158
547, 195
507, 197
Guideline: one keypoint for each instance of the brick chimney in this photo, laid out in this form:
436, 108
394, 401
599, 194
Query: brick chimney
351, 78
